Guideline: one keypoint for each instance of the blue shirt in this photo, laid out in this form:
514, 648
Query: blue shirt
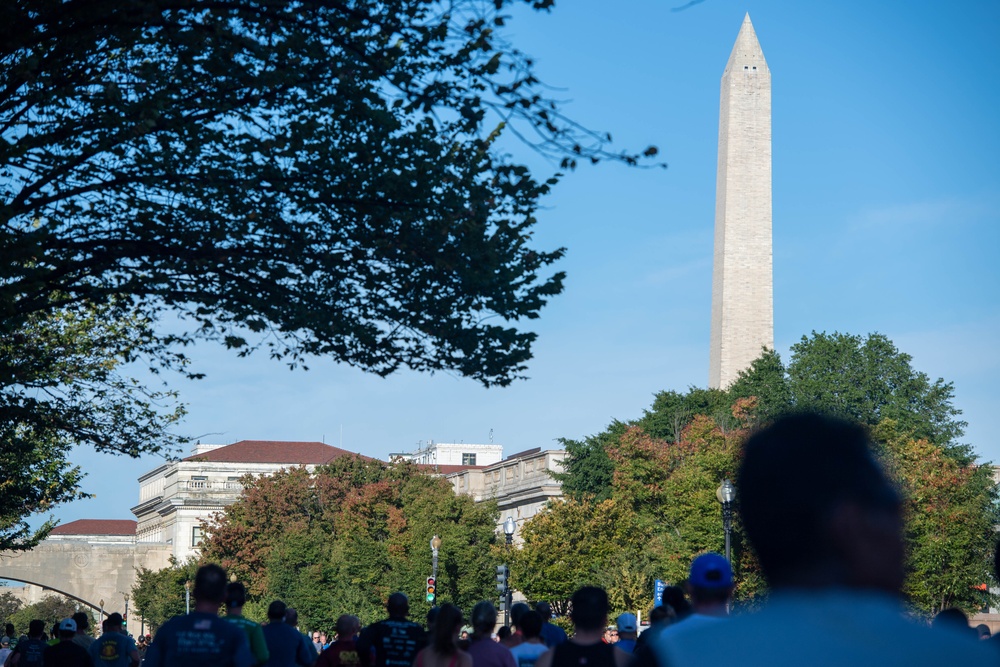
288, 647
112, 649
552, 635
199, 639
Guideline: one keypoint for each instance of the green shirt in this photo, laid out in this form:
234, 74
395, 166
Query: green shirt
254, 635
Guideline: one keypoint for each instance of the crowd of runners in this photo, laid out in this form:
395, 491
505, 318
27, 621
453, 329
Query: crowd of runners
829, 544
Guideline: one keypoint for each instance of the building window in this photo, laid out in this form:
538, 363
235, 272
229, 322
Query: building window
468, 459
196, 536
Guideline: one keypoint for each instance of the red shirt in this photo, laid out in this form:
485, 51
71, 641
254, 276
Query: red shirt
341, 653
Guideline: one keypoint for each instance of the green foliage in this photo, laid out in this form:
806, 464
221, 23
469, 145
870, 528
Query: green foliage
62, 385
659, 481
766, 381
9, 604
951, 517
661, 511
159, 595
587, 468
311, 178
308, 178
342, 540
869, 380
51, 609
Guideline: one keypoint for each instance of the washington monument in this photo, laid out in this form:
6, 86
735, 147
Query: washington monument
742, 303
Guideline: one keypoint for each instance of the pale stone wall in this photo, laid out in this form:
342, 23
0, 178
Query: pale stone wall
522, 486
86, 571
742, 301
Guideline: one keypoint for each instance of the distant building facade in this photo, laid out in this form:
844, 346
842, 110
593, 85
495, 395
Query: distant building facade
456, 454
522, 484
176, 497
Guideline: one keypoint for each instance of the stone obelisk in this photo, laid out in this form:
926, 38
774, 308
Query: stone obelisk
742, 303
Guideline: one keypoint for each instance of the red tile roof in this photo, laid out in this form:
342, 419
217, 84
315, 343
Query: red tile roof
96, 527
272, 451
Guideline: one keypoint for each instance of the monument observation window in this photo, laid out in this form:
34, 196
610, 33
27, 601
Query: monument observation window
468, 459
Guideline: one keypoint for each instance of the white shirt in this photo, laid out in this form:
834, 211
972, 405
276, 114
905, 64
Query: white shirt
820, 629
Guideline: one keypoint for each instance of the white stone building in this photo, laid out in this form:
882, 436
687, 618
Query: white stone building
522, 484
176, 497
457, 454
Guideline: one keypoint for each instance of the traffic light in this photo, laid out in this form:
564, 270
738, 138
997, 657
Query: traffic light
431, 589
502, 573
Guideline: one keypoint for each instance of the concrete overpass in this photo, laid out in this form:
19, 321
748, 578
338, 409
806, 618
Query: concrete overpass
88, 561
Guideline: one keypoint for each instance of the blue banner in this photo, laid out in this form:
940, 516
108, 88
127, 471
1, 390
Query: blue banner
658, 592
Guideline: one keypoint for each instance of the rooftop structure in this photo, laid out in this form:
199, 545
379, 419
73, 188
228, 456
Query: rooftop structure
457, 454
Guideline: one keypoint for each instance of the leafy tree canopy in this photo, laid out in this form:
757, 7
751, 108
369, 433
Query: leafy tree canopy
660, 510
659, 472
63, 382
343, 539
51, 609
159, 595
308, 178
313, 177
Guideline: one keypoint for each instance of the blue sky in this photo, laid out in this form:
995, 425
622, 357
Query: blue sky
886, 121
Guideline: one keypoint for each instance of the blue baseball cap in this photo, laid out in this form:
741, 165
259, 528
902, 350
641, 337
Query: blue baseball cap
711, 570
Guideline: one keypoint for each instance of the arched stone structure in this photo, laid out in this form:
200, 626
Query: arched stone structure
86, 572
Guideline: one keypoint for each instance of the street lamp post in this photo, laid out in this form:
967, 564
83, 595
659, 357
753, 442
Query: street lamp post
726, 493
509, 526
125, 595
435, 546
187, 596
101, 602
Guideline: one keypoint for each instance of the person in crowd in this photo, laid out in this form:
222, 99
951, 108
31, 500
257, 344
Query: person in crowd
710, 583
236, 598
531, 647
4, 649
503, 635
443, 650
515, 636
114, 648
201, 638
589, 613
675, 598
954, 620
67, 653
395, 641
292, 619
83, 637
286, 646
31, 651
659, 618
628, 632
11, 632
983, 631
344, 651
484, 651
552, 634
610, 635
432, 615
830, 545
316, 642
